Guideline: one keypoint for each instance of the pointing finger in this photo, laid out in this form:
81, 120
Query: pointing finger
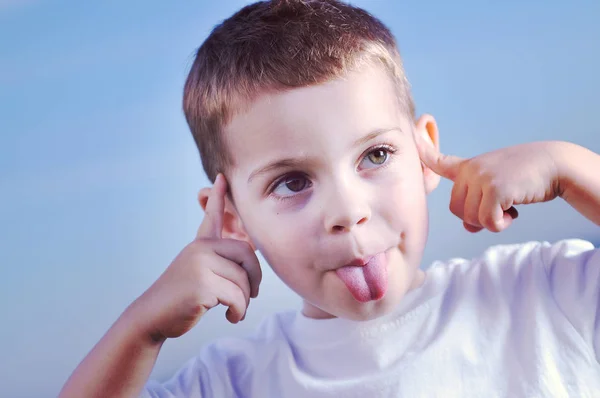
444, 165
212, 224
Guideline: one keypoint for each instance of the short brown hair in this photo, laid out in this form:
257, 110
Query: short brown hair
278, 45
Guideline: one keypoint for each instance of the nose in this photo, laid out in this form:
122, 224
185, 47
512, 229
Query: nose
346, 209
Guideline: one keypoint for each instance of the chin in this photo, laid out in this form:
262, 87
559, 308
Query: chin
344, 305
372, 309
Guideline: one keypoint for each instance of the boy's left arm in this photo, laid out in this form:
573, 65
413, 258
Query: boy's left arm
579, 179
488, 186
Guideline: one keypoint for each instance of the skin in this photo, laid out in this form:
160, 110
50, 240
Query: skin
330, 192
338, 201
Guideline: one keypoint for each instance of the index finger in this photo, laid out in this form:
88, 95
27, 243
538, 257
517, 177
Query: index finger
212, 224
443, 165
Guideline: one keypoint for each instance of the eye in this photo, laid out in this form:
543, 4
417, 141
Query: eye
376, 157
290, 185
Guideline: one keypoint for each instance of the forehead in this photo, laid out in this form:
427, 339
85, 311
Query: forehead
313, 121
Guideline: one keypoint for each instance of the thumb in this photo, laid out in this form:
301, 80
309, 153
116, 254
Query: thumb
446, 166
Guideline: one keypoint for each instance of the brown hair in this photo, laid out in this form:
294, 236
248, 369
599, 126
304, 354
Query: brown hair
279, 45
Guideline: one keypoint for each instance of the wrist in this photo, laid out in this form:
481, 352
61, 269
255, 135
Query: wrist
565, 155
131, 322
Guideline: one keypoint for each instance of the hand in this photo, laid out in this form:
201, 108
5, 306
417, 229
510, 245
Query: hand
207, 272
487, 186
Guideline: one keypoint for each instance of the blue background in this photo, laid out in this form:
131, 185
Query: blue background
99, 174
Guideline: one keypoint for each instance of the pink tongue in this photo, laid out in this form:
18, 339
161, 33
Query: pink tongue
368, 282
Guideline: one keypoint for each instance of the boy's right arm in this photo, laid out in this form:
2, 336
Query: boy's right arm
207, 272
118, 366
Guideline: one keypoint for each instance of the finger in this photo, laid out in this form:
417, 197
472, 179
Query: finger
446, 166
235, 274
491, 213
506, 222
472, 205
212, 224
230, 295
242, 254
509, 216
506, 219
471, 228
509, 213
457, 199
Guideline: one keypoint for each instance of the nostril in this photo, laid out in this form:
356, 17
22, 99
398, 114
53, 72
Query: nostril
362, 220
338, 228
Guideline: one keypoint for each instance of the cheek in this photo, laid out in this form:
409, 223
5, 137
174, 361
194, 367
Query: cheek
288, 252
404, 191
405, 211
280, 238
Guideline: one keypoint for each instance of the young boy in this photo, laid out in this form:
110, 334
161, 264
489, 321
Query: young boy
304, 121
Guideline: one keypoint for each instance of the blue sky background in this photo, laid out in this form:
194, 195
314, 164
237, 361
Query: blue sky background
98, 172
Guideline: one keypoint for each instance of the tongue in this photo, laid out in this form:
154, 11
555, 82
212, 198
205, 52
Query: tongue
367, 282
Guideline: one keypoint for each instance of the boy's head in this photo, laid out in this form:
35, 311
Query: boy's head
274, 46
304, 107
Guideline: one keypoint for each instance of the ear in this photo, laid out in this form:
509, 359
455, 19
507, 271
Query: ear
427, 128
233, 228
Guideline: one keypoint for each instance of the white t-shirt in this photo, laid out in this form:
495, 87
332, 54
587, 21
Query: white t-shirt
520, 321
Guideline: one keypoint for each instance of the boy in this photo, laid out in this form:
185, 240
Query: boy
304, 121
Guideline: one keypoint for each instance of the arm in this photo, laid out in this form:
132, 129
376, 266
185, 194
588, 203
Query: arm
579, 176
207, 272
118, 366
487, 186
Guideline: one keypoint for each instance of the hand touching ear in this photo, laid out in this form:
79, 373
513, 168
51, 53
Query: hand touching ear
209, 271
487, 187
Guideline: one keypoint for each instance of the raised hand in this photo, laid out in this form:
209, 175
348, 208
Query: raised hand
209, 271
487, 187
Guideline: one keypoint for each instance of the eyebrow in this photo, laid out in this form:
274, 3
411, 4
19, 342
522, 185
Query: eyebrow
374, 134
296, 162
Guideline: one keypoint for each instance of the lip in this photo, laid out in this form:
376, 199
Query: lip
359, 262
360, 259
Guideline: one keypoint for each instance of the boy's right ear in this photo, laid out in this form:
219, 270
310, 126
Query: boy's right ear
426, 126
233, 227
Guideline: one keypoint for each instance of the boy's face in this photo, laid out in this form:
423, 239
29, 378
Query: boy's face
328, 185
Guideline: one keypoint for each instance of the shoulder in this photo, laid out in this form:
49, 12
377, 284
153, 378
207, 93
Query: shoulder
569, 250
268, 337
228, 364
515, 256
519, 258
506, 265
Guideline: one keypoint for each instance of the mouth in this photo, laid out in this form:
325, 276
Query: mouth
366, 278
363, 260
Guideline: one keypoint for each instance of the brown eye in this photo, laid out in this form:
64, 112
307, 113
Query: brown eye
378, 156
296, 184
291, 184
